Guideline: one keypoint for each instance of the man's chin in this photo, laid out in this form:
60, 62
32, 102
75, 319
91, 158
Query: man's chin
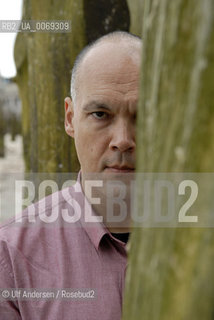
111, 174
118, 175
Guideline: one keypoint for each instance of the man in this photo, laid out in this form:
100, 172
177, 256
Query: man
82, 258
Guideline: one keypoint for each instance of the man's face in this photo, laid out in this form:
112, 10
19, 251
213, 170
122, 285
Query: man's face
103, 120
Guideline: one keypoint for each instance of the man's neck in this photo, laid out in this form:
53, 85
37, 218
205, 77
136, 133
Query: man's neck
115, 217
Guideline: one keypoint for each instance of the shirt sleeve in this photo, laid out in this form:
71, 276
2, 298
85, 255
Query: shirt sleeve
8, 309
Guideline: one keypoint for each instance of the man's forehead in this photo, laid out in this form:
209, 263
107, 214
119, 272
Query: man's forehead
109, 57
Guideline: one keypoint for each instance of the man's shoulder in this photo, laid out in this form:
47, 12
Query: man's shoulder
49, 213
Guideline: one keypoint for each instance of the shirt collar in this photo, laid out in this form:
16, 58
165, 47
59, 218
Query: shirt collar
95, 230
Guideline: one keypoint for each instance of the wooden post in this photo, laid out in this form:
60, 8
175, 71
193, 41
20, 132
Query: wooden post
170, 273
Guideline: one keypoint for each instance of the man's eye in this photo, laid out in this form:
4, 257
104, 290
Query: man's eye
99, 114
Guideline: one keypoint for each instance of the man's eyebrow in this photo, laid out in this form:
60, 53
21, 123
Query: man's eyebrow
94, 104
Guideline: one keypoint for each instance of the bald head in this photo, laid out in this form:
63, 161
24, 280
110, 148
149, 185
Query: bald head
105, 90
112, 50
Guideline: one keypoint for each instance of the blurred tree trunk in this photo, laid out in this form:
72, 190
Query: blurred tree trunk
44, 62
136, 16
21, 60
170, 275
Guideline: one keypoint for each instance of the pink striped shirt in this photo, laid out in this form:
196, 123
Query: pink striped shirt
78, 258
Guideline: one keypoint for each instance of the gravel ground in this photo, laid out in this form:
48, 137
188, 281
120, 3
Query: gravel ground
13, 160
11, 167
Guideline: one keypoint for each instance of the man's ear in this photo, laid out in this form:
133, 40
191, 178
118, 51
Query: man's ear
69, 114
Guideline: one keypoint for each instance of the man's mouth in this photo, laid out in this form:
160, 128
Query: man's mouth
119, 169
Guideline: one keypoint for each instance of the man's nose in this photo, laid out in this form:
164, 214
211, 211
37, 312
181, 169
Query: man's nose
123, 137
